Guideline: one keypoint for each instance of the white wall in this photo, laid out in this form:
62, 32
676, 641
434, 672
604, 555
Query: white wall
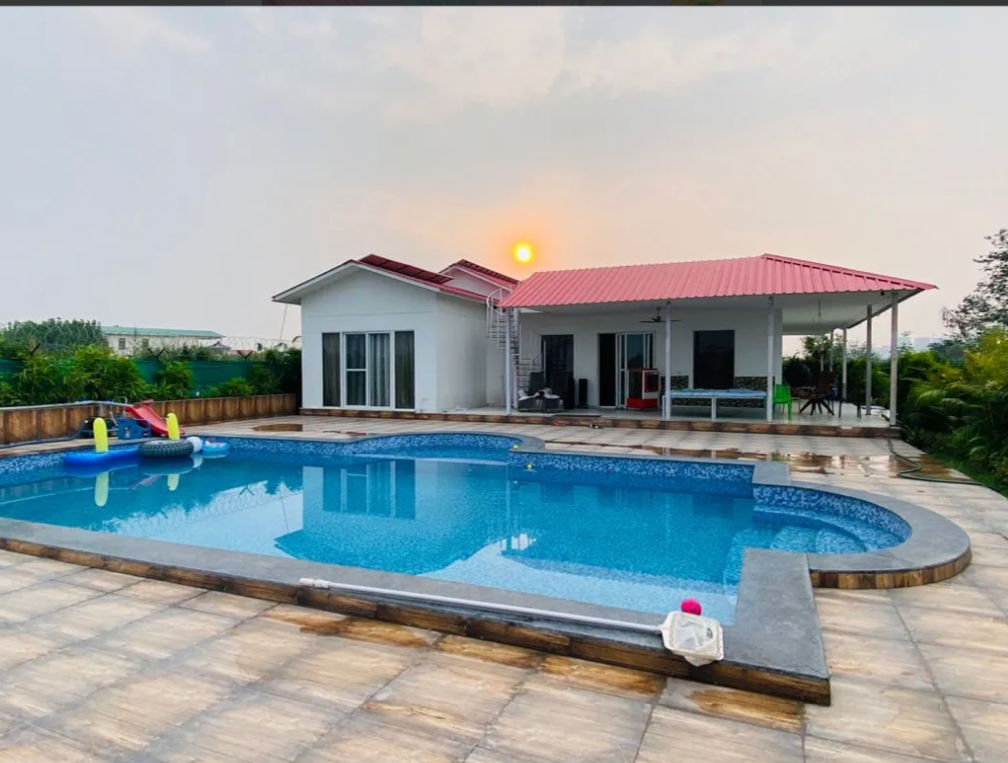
365, 301
133, 343
750, 328
464, 280
462, 353
450, 348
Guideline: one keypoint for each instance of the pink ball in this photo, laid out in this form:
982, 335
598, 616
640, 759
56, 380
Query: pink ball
691, 606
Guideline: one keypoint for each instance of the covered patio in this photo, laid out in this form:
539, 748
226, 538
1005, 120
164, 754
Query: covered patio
660, 341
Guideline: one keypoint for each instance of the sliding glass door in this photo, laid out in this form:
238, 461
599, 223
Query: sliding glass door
377, 367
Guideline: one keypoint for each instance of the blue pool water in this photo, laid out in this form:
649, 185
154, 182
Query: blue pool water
467, 515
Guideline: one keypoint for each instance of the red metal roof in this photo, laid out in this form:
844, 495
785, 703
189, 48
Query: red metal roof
492, 274
413, 273
747, 276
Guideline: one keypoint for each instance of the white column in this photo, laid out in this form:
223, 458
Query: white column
668, 364
507, 362
770, 360
843, 372
867, 383
893, 360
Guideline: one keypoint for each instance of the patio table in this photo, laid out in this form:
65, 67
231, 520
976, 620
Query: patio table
714, 395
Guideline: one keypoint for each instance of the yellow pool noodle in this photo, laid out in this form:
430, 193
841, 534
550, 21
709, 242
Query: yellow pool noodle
173, 482
101, 489
100, 431
173, 428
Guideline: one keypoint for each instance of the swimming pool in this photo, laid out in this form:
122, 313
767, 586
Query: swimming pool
628, 532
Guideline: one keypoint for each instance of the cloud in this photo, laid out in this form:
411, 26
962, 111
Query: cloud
131, 29
497, 57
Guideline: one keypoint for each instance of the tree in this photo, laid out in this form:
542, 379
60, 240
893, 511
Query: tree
988, 304
54, 334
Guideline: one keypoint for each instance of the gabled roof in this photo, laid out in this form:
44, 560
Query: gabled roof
491, 275
131, 330
767, 274
382, 266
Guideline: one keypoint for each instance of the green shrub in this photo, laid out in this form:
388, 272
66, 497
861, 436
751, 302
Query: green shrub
236, 387
7, 396
39, 382
98, 374
173, 382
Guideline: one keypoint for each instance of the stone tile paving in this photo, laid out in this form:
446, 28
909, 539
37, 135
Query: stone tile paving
96, 665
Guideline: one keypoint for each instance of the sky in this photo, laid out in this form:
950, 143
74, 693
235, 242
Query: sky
176, 167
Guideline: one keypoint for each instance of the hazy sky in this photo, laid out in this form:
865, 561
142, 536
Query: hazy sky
176, 167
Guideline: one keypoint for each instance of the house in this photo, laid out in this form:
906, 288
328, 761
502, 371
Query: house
382, 334
126, 340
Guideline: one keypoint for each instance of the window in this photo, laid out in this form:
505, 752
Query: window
122, 343
373, 369
713, 359
331, 369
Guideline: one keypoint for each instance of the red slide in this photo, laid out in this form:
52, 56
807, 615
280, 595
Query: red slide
144, 412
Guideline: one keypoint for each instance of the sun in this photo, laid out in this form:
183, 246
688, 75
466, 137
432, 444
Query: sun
523, 252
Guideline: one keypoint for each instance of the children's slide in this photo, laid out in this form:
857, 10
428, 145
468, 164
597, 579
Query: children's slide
144, 412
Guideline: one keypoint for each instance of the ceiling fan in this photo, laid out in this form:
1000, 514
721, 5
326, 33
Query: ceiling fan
658, 319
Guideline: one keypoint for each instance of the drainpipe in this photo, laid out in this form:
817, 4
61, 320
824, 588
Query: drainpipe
843, 373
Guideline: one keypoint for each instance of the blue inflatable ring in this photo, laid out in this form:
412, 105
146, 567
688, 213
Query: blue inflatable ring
214, 448
93, 458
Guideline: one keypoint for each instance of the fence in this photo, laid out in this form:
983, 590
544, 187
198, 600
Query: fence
205, 373
41, 422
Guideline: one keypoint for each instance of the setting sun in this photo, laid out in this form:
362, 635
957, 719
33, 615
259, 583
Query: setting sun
523, 252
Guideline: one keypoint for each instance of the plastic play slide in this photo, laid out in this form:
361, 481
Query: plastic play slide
144, 412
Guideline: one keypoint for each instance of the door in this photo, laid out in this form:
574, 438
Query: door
618, 353
713, 359
607, 370
558, 365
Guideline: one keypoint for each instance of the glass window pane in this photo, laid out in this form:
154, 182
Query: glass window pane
355, 352
379, 370
355, 388
330, 369
404, 395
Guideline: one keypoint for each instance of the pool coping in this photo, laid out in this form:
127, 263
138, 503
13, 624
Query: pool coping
773, 647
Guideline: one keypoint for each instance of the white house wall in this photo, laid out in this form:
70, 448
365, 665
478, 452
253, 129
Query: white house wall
750, 327
462, 353
369, 302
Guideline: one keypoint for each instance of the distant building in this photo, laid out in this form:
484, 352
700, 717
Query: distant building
126, 340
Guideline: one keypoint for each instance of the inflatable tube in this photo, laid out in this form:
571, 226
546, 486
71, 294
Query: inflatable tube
91, 459
165, 449
212, 449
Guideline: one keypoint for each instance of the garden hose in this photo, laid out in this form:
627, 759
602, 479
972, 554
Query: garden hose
915, 466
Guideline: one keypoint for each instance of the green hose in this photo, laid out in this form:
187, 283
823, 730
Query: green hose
915, 466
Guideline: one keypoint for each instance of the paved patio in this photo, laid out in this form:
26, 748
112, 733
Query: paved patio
98, 665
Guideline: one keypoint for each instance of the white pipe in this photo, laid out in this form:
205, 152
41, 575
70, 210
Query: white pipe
867, 383
507, 363
893, 360
603, 622
769, 361
666, 413
843, 384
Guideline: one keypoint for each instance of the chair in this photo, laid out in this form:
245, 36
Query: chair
782, 396
819, 399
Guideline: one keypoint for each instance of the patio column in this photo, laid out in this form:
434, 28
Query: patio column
666, 413
843, 372
893, 360
770, 361
507, 362
867, 382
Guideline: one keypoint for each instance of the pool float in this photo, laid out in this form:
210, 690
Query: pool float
165, 449
101, 458
212, 449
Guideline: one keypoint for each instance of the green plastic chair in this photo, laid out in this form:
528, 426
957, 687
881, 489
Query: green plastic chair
782, 396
